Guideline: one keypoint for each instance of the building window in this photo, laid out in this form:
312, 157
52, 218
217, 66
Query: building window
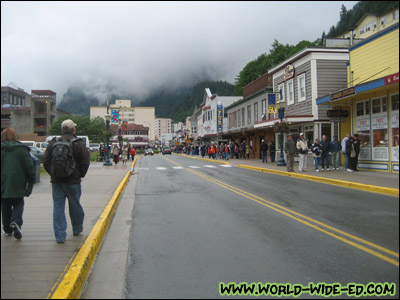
290, 92
396, 14
249, 114
255, 112
360, 109
374, 25
301, 83
376, 106
383, 21
361, 30
395, 126
239, 118
281, 92
243, 116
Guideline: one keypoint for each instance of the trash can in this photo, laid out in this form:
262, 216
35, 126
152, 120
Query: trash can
36, 165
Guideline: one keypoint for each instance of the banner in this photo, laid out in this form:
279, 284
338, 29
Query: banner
271, 100
220, 118
114, 116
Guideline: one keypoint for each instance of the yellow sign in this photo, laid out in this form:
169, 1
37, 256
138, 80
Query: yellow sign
272, 109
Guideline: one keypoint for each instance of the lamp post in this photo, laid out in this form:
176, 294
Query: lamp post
108, 119
281, 114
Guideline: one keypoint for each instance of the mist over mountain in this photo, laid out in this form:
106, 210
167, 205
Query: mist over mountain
170, 102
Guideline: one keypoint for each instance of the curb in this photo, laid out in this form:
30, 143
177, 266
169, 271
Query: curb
75, 277
353, 185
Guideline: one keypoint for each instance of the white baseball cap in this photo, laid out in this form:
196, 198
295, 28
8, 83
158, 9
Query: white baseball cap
68, 124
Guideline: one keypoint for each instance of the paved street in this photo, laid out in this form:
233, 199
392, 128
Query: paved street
197, 223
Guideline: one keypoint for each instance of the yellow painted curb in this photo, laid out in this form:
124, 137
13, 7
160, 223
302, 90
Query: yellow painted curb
348, 184
71, 285
206, 159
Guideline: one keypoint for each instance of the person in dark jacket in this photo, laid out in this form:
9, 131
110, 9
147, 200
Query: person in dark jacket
69, 187
263, 150
326, 149
351, 153
272, 151
357, 146
335, 148
17, 178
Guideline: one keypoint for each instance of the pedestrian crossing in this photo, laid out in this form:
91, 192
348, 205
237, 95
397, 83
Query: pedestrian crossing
183, 168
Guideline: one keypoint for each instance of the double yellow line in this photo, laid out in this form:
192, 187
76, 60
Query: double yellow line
322, 227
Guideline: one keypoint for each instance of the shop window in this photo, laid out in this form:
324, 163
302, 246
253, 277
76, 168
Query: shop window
380, 134
394, 120
249, 114
360, 109
365, 144
376, 106
243, 116
255, 112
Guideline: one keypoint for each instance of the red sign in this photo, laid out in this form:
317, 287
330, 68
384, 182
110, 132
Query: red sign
392, 79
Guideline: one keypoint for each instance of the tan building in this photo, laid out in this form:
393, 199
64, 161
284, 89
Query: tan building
138, 115
162, 126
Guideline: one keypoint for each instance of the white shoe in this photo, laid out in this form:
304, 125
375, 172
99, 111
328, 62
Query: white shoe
316, 170
328, 169
322, 169
350, 171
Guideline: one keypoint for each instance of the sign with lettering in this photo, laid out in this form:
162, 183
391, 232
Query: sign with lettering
392, 79
289, 72
271, 100
342, 94
220, 118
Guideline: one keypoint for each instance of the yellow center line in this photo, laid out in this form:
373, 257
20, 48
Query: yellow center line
290, 213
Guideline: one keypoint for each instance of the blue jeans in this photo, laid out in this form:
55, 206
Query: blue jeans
11, 211
264, 156
61, 191
346, 161
316, 162
325, 156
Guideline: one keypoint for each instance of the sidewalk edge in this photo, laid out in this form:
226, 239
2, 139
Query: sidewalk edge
353, 185
74, 279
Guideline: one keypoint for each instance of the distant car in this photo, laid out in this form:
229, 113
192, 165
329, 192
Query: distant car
39, 153
29, 143
94, 147
42, 145
166, 150
148, 151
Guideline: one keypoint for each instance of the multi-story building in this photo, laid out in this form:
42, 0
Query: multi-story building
372, 98
213, 117
122, 111
298, 82
370, 24
43, 110
161, 126
244, 114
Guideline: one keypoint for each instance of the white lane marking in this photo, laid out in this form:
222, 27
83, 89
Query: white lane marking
226, 166
161, 168
208, 166
178, 168
194, 167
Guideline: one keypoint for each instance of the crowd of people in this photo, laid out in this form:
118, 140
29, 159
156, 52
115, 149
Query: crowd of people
125, 153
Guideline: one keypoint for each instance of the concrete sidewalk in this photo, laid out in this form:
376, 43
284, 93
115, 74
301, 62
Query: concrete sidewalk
376, 178
32, 266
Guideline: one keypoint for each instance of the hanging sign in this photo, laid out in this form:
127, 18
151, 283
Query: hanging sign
114, 116
271, 99
220, 118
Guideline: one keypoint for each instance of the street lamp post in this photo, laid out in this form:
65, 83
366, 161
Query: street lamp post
281, 114
108, 119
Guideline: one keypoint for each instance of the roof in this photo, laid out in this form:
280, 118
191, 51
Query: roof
43, 92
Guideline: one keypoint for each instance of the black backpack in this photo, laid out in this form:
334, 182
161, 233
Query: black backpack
62, 158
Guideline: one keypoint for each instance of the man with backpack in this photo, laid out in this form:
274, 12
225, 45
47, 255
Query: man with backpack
67, 161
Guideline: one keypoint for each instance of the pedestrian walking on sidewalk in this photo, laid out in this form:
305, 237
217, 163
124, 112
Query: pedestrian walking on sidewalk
68, 186
316, 150
115, 153
247, 151
335, 148
351, 153
17, 178
302, 148
357, 146
290, 147
124, 154
264, 149
133, 153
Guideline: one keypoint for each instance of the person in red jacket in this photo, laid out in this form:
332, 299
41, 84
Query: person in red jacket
133, 153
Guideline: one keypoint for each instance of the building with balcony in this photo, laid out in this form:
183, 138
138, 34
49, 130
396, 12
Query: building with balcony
43, 111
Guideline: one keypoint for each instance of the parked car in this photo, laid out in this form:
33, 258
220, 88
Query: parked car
94, 147
148, 151
39, 153
42, 145
166, 150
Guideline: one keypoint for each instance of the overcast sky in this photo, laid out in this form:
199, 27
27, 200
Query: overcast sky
136, 47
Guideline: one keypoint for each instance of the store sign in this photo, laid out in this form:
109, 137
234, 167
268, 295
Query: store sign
392, 79
220, 118
337, 112
289, 72
342, 94
271, 99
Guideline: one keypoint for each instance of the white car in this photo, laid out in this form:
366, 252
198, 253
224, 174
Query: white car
94, 147
148, 151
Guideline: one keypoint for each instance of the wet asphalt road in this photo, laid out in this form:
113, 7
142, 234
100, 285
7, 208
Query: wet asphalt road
196, 224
